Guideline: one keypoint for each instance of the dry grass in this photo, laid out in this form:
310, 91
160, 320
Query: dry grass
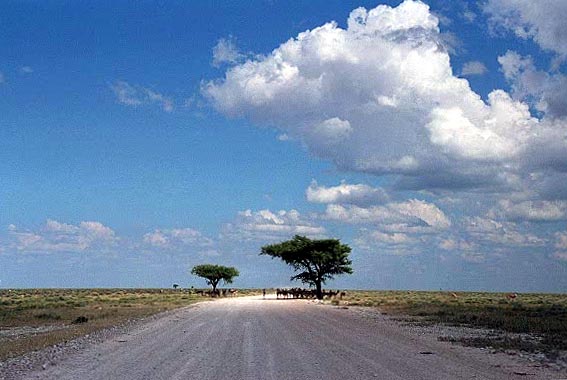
31, 319
541, 315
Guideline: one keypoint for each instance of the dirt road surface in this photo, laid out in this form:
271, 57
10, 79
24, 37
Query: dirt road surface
253, 338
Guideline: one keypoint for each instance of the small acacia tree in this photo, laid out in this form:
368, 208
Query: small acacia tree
213, 274
316, 261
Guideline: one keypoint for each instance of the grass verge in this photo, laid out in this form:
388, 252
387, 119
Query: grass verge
537, 322
31, 319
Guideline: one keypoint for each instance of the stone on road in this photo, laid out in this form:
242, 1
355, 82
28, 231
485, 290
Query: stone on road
253, 338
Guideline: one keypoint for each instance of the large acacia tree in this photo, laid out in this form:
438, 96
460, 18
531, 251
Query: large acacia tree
315, 261
213, 274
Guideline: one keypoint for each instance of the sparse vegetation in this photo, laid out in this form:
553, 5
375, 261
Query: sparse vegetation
34, 318
543, 316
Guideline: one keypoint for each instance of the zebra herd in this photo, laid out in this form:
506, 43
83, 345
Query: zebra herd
307, 293
218, 292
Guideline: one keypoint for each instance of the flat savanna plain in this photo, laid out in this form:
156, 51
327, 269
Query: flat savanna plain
31, 319
527, 322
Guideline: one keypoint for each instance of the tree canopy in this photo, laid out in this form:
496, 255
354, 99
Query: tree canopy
213, 274
315, 261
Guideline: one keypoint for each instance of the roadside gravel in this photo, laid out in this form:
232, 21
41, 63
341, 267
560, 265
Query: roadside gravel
19, 367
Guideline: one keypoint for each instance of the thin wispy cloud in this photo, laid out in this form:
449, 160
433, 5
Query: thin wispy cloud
469, 16
137, 96
226, 52
473, 68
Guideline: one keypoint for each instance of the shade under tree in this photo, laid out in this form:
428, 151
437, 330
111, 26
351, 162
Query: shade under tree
314, 261
213, 274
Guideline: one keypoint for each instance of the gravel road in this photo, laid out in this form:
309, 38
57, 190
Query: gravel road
253, 338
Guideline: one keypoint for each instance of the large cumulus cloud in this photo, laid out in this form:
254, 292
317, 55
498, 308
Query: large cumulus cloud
380, 96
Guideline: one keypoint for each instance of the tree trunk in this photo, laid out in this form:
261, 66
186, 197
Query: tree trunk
214, 284
319, 290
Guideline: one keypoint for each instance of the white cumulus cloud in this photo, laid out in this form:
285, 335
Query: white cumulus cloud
407, 215
502, 233
396, 243
542, 20
456, 244
380, 97
547, 92
265, 225
55, 236
535, 211
358, 194
178, 238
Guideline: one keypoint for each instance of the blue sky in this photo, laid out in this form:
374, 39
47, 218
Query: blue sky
138, 139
